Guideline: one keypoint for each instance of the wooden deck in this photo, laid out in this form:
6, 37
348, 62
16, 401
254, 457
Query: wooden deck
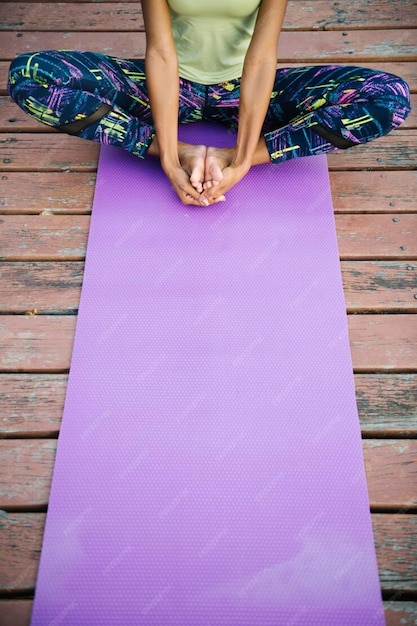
46, 190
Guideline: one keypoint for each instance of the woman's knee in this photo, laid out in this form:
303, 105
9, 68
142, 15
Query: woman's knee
33, 84
398, 99
390, 96
24, 69
17, 74
382, 104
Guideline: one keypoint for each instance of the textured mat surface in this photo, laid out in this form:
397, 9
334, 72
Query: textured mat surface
209, 468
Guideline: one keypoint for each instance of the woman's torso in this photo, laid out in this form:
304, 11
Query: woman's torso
212, 36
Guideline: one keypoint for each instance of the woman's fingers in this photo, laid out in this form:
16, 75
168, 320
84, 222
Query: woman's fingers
186, 198
183, 188
188, 194
202, 201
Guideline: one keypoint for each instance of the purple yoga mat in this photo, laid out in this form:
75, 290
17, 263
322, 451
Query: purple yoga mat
209, 468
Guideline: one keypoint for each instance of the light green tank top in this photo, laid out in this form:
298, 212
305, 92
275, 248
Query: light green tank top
212, 36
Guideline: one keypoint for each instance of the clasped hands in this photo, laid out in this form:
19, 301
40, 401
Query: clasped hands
204, 174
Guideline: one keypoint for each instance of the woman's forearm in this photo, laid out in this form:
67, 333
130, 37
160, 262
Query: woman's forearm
258, 77
255, 93
162, 82
161, 67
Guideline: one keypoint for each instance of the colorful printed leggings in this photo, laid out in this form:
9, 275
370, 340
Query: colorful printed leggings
312, 110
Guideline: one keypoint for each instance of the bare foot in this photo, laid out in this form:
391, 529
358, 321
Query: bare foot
216, 160
192, 159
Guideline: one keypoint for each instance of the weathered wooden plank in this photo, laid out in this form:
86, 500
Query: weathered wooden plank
37, 237
394, 151
15, 612
294, 47
42, 343
57, 192
391, 471
398, 613
32, 404
13, 119
396, 548
383, 342
381, 236
411, 121
36, 343
27, 464
72, 192
362, 14
371, 192
380, 286
124, 17
128, 45
96, 2
69, 16
20, 546
387, 404
405, 69
43, 287
26, 472
54, 287
47, 151
58, 151
64, 237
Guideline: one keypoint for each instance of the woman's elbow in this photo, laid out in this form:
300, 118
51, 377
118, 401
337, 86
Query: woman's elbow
160, 54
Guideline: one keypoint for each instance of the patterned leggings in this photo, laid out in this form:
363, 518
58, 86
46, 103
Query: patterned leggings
312, 110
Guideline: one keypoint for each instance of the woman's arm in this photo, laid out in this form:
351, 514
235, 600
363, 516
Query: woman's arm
255, 91
258, 79
161, 67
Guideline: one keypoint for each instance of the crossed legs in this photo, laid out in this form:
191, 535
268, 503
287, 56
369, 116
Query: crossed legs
312, 110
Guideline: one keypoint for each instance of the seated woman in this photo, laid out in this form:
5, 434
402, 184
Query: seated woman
209, 60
